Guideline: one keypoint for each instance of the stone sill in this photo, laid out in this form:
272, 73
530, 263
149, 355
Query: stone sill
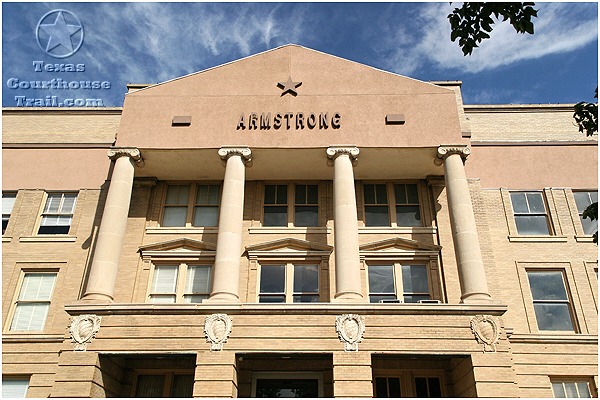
537, 238
10, 337
398, 229
291, 309
585, 239
563, 337
48, 238
289, 229
175, 230
6, 239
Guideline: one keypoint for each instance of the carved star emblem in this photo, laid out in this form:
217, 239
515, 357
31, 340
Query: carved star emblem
60, 33
289, 86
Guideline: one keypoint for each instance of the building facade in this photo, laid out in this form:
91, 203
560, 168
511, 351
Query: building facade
296, 224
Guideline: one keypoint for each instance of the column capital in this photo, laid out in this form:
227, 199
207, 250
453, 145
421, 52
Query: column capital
243, 151
131, 152
444, 151
334, 151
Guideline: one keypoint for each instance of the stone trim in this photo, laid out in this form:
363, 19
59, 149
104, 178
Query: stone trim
243, 151
444, 152
288, 229
538, 238
430, 230
559, 338
9, 337
48, 238
130, 152
334, 151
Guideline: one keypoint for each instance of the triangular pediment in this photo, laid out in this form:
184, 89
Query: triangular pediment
289, 246
398, 244
179, 245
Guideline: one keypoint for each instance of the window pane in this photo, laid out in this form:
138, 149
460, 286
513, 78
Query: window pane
307, 216
183, 386
281, 194
408, 216
547, 286
68, 205
571, 389
175, 216
206, 216
536, 203
400, 192
177, 194
306, 279
287, 388
162, 298
198, 279
412, 194
519, 202
381, 279
149, 386
583, 389
553, 316
532, 225
8, 201
213, 194
53, 203
381, 387
582, 199
14, 388
394, 386
306, 298
300, 194
165, 279
30, 317
312, 194
414, 298
195, 298
272, 279
434, 387
37, 287
269, 194
589, 227
376, 216
557, 388
369, 191
377, 297
53, 230
271, 299
202, 194
414, 279
381, 194
421, 387
275, 216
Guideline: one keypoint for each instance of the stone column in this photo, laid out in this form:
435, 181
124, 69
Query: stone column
226, 274
345, 225
464, 231
103, 273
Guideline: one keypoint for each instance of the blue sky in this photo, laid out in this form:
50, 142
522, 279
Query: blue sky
155, 42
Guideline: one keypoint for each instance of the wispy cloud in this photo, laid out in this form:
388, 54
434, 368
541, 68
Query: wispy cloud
428, 41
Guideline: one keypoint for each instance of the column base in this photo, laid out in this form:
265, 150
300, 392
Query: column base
222, 298
478, 298
95, 298
348, 297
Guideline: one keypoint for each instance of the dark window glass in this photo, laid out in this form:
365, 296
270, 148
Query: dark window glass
306, 283
376, 216
207, 205
275, 216
275, 210
415, 283
381, 283
550, 301
150, 386
428, 387
287, 388
530, 213
376, 205
306, 208
8, 201
407, 205
408, 216
58, 213
381, 387
583, 200
183, 386
421, 387
272, 284
394, 387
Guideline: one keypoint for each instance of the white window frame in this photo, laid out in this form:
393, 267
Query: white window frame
181, 277
288, 375
42, 212
563, 380
546, 213
13, 394
16, 301
391, 203
191, 203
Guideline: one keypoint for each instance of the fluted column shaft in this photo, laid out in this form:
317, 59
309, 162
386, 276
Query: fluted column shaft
226, 274
345, 224
464, 230
103, 272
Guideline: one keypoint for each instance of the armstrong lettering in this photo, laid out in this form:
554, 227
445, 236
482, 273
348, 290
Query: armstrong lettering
289, 120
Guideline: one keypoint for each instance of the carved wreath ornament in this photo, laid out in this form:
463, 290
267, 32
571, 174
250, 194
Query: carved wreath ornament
217, 328
350, 329
83, 330
486, 331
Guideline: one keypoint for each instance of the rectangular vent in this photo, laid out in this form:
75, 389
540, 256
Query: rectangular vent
385, 301
394, 119
429, 302
182, 120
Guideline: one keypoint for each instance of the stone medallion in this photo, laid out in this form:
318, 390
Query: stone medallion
83, 330
350, 329
486, 331
217, 328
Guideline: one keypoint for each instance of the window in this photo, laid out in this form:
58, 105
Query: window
168, 384
550, 301
584, 199
387, 387
33, 302
404, 196
287, 384
191, 205
530, 213
305, 205
428, 387
58, 214
8, 201
14, 387
289, 283
388, 282
564, 389
180, 283
407, 385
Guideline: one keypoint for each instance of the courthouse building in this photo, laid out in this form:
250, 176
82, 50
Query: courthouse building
296, 224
